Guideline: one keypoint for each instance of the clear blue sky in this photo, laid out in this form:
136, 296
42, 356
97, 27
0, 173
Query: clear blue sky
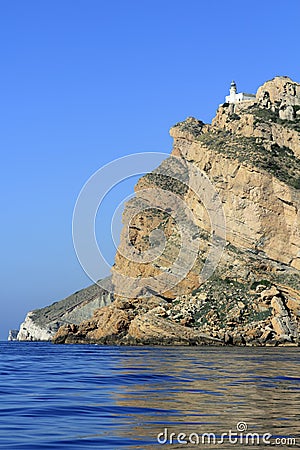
83, 82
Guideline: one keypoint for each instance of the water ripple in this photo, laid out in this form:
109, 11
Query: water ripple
77, 397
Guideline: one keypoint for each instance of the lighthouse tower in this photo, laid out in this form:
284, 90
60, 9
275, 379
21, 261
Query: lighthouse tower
231, 98
235, 97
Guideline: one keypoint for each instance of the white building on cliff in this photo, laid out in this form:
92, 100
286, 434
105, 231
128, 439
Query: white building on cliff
235, 97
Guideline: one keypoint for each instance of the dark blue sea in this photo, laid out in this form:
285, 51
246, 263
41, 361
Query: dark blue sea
97, 397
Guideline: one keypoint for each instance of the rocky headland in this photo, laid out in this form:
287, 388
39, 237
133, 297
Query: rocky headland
250, 153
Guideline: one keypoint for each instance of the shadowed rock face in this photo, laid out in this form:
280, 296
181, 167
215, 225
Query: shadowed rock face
250, 153
42, 324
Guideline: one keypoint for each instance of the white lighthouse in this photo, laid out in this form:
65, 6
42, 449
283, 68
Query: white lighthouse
235, 97
232, 92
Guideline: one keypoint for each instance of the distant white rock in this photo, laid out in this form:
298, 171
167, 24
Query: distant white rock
12, 335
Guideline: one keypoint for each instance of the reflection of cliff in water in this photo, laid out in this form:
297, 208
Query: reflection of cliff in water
209, 390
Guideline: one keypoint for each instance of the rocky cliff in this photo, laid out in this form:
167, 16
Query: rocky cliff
248, 159
42, 324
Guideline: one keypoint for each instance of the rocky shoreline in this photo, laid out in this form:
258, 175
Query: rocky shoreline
266, 317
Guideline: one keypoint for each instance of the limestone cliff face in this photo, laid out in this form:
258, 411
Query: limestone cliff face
261, 207
42, 324
250, 153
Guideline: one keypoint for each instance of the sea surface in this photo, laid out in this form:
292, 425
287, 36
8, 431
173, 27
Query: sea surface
89, 396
